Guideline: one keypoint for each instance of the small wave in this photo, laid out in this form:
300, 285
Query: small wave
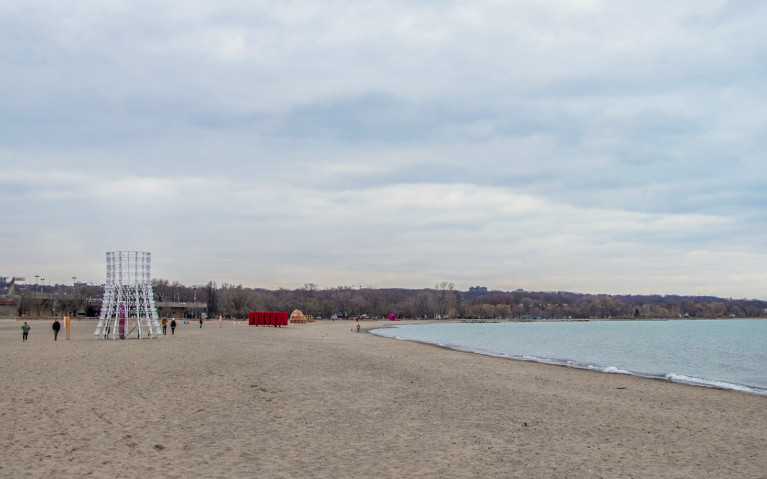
614, 370
681, 378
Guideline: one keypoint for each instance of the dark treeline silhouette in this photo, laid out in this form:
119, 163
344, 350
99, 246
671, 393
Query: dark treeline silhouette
444, 302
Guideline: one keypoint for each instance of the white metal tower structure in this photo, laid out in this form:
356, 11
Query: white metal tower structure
127, 308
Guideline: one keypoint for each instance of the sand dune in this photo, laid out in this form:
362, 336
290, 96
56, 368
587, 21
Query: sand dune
320, 400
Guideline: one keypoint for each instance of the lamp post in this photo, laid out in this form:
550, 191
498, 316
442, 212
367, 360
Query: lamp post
43, 280
37, 283
74, 281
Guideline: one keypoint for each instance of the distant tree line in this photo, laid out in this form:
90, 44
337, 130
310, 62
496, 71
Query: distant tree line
443, 301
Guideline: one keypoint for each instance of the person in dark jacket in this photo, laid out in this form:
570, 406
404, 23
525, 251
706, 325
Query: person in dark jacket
172, 327
24, 331
56, 328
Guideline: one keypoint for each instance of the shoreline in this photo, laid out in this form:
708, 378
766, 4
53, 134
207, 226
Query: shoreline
675, 378
736, 387
321, 400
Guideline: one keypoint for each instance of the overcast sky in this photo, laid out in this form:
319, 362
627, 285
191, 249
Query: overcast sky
590, 146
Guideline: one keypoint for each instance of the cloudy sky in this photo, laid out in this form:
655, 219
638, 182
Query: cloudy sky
582, 145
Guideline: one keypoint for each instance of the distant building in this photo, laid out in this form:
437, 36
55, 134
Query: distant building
181, 309
477, 289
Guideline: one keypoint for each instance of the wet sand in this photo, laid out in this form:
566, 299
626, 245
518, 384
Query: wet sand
321, 400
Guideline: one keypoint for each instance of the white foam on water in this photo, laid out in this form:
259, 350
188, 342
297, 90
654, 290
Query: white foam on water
681, 378
613, 369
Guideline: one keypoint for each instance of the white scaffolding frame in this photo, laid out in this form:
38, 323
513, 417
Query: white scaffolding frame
128, 303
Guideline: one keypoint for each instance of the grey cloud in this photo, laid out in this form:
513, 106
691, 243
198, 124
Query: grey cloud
301, 118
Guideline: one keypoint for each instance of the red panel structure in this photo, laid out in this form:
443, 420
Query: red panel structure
277, 319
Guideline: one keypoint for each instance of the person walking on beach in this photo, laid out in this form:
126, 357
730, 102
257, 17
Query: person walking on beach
24, 331
200, 323
56, 328
164, 326
358, 327
172, 326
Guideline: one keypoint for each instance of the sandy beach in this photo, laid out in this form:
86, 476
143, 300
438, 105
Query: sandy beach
321, 400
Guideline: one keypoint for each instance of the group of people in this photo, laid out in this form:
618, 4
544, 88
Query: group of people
57, 327
172, 326
165, 326
25, 330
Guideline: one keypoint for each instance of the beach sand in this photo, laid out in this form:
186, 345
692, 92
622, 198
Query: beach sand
321, 400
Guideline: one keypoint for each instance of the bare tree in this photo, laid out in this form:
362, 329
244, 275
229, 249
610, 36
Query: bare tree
445, 299
237, 301
341, 297
211, 297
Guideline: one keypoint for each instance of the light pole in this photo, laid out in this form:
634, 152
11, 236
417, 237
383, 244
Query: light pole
37, 283
43, 280
74, 281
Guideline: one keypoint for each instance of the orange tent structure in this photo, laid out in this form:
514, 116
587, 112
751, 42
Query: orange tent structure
297, 317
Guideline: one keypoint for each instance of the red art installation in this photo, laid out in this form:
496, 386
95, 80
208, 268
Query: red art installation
268, 318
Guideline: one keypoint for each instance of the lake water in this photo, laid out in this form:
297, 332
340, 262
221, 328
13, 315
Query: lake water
729, 353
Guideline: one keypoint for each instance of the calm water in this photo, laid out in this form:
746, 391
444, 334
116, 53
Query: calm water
723, 353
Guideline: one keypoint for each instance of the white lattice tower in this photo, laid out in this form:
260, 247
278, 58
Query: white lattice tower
127, 308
